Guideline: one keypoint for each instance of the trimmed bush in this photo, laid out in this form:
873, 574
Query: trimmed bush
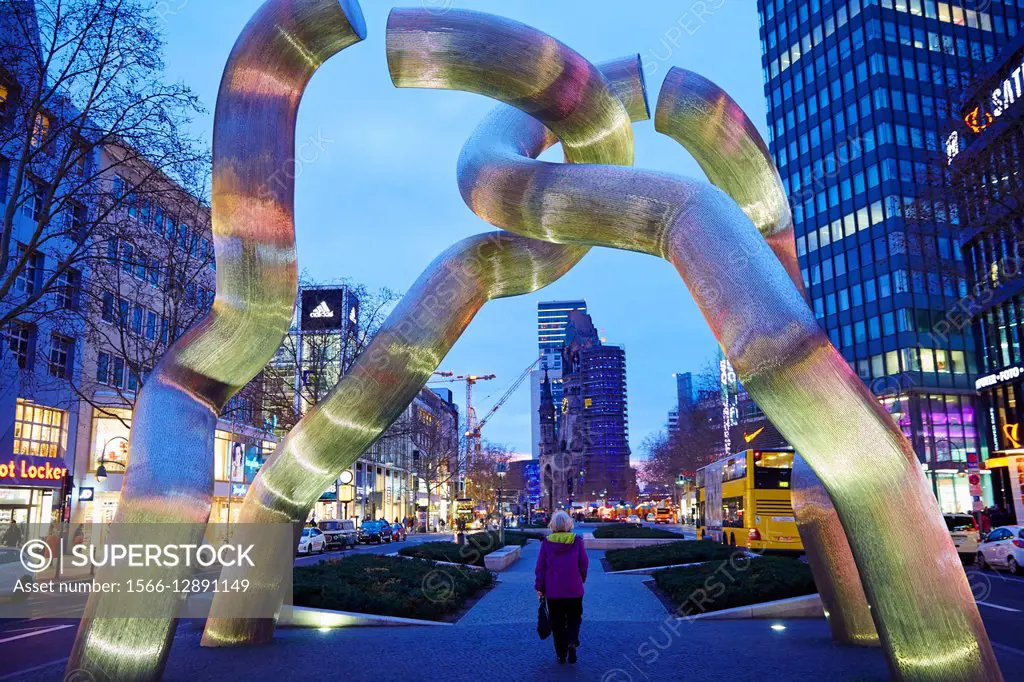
740, 581
632, 530
387, 586
478, 545
683, 552
519, 537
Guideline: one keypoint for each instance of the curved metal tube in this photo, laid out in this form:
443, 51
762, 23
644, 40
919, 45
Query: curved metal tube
831, 561
926, 616
170, 480
418, 334
710, 125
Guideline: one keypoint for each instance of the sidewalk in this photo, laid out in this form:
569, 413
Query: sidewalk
626, 637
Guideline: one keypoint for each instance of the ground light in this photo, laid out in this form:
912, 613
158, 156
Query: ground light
778, 627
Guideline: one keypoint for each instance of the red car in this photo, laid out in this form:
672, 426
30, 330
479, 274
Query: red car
398, 532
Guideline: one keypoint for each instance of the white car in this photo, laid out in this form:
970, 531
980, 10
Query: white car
964, 532
312, 540
633, 518
650, 517
1003, 548
11, 572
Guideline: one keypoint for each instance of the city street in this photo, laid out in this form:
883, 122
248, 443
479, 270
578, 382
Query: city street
621, 618
28, 643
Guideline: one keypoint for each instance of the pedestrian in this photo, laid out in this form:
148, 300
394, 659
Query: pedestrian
440, 524
12, 538
79, 536
560, 574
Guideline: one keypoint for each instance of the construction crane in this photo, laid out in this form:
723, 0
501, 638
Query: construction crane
501, 401
471, 427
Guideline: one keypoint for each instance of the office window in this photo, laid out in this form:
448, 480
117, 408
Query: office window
38, 430
66, 292
78, 218
32, 199
41, 129
103, 368
61, 354
31, 275
20, 340
117, 378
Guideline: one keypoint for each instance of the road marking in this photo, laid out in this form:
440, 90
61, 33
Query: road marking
1011, 649
41, 631
997, 606
21, 673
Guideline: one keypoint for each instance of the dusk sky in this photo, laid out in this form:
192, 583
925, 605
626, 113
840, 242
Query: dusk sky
380, 201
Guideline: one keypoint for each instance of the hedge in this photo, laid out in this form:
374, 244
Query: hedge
387, 586
682, 552
519, 537
477, 546
740, 581
632, 530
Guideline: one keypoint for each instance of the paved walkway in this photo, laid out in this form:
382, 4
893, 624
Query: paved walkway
627, 637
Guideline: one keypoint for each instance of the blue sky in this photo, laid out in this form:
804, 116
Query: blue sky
379, 202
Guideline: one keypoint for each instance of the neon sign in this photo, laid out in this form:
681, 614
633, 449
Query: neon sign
33, 471
978, 120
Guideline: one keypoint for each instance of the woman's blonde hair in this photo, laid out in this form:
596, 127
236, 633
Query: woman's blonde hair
561, 523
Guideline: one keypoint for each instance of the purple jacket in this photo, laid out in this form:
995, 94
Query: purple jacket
561, 569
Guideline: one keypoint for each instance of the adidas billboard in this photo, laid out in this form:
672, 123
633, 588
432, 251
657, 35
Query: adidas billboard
323, 309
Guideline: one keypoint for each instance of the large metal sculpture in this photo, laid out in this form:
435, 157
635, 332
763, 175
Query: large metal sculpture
594, 127
744, 281
170, 477
699, 115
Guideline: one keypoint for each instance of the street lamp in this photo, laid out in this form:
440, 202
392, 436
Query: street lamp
502, 470
101, 470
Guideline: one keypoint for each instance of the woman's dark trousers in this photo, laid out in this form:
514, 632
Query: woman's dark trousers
566, 616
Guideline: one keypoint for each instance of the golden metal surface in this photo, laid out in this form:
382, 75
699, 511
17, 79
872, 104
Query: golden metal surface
703, 118
922, 605
831, 561
710, 125
170, 475
568, 98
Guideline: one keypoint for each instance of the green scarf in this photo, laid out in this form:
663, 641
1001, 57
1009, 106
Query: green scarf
562, 538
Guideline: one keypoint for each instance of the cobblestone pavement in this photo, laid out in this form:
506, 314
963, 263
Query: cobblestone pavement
627, 637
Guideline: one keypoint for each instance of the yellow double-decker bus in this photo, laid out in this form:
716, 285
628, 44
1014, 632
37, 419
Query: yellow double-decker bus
744, 501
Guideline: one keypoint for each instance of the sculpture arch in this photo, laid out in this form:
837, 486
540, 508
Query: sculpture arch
553, 214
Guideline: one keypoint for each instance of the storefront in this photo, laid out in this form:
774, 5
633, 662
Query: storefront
1002, 393
237, 457
32, 477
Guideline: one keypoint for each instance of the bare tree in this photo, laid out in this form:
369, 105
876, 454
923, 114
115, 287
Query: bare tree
82, 100
696, 442
484, 479
309, 364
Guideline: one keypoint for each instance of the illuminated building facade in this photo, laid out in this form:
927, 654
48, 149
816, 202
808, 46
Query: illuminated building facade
552, 318
856, 92
985, 152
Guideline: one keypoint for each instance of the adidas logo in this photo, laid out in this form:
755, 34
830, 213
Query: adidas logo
322, 310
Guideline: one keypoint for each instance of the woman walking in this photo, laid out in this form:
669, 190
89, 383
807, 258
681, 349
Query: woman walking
561, 572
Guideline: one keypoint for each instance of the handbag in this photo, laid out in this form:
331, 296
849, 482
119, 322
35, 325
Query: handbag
543, 622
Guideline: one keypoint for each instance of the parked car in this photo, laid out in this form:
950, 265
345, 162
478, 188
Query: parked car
650, 517
964, 531
11, 573
375, 531
1003, 548
398, 532
340, 533
312, 540
632, 518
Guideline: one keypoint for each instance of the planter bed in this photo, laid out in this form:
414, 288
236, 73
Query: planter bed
633, 530
477, 546
388, 586
682, 552
713, 586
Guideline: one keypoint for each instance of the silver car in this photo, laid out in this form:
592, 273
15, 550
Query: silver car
340, 533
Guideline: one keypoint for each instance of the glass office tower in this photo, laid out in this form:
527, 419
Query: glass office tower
858, 95
552, 317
